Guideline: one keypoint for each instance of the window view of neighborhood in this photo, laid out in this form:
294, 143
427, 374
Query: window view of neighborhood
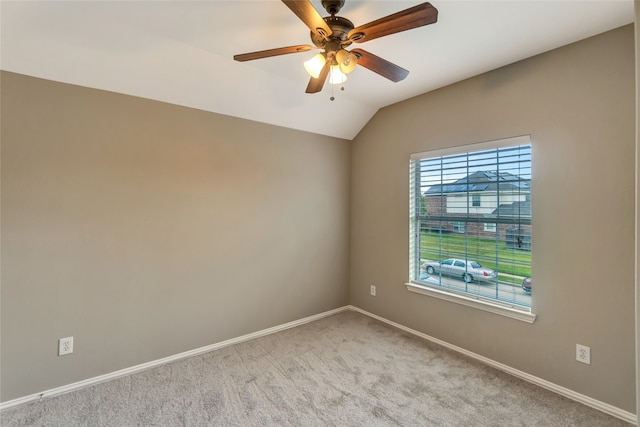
471, 223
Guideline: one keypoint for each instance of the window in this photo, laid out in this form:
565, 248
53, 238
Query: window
469, 250
491, 227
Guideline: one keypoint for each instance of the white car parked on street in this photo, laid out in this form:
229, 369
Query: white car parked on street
464, 269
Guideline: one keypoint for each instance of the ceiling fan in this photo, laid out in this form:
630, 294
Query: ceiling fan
334, 33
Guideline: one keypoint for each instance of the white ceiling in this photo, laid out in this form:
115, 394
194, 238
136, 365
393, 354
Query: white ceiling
181, 52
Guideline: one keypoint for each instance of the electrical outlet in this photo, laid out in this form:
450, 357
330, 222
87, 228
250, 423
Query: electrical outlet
65, 346
373, 290
583, 354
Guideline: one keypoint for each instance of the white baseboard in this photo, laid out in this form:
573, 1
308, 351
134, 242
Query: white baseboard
144, 366
586, 400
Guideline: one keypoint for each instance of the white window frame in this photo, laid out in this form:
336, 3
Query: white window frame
499, 307
490, 227
459, 227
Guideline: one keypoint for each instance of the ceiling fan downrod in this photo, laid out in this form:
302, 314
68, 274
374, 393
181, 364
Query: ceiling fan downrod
332, 6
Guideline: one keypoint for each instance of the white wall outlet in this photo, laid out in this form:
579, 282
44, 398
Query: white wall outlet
373, 290
65, 346
583, 354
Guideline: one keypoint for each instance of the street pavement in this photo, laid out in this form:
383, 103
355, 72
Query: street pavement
505, 292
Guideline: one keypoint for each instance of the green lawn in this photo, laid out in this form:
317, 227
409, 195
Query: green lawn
435, 247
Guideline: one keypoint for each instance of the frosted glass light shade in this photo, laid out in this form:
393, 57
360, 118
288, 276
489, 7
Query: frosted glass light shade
336, 76
314, 65
346, 60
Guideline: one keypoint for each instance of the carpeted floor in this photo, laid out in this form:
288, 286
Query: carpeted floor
344, 370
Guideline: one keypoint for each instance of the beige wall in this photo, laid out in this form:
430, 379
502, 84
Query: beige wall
145, 229
577, 103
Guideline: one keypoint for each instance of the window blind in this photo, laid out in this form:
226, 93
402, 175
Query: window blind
471, 220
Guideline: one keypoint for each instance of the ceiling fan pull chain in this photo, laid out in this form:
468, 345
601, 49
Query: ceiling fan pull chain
332, 97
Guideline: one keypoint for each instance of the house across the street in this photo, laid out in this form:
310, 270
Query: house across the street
494, 202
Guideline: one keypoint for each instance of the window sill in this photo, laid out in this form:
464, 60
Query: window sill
501, 310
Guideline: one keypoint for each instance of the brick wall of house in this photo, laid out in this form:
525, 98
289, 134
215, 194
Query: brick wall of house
437, 206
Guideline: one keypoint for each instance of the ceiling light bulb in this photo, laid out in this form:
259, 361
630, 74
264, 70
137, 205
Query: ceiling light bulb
314, 65
336, 76
346, 60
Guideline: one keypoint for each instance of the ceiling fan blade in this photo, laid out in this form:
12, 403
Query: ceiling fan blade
380, 66
272, 52
417, 16
309, 15
315, 85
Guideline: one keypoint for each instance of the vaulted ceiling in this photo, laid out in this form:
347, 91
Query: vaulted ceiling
182, 51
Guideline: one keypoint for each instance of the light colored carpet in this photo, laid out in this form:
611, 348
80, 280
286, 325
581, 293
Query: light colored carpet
344, 370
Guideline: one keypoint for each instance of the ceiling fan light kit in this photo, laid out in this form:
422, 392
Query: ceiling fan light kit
333, 34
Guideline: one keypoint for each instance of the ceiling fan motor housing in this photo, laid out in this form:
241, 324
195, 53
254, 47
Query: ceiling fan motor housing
340, 28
